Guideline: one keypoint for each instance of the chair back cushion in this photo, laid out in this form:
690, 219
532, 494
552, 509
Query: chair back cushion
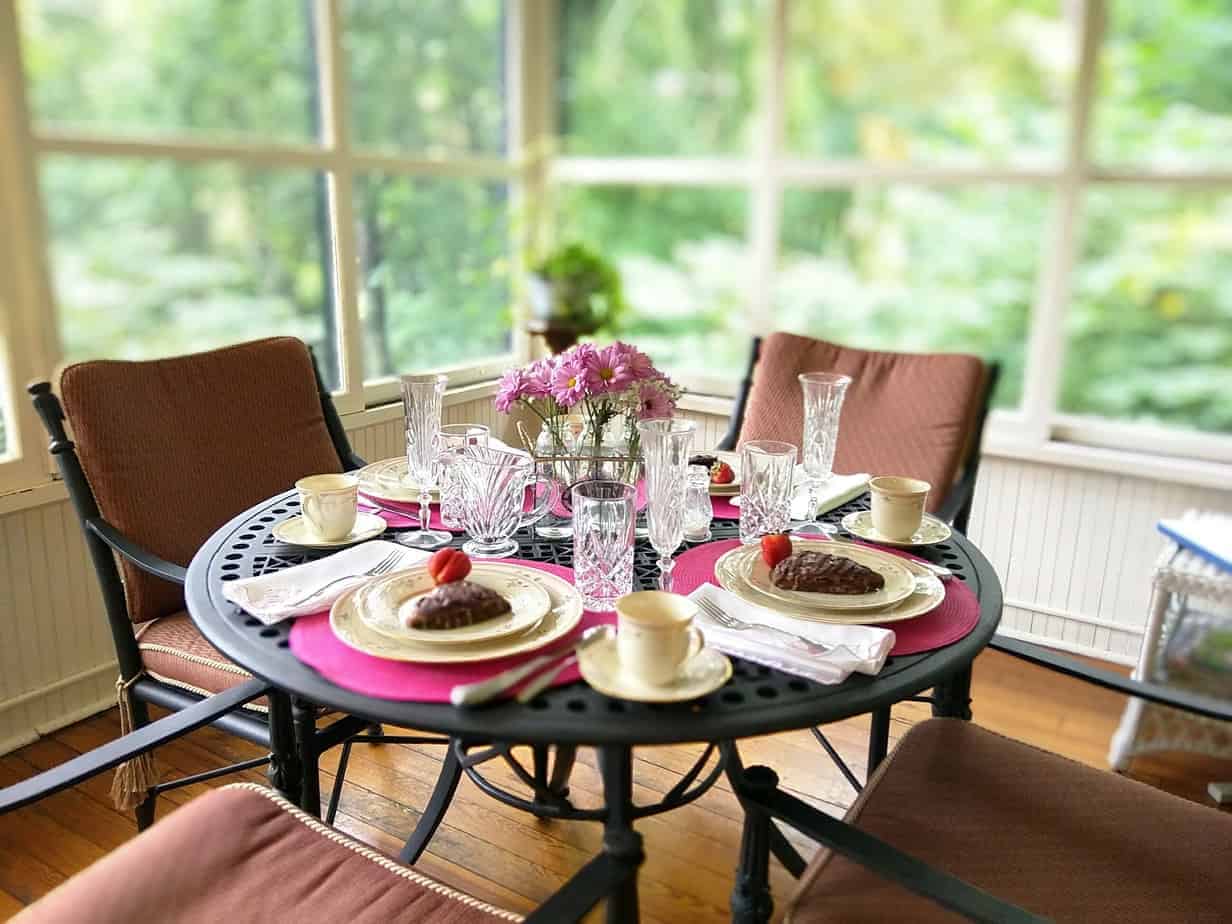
905, 413
173, 448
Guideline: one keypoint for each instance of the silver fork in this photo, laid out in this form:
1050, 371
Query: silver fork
731, 622
384, 566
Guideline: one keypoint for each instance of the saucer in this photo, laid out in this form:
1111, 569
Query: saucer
295, 531
931, 531
703, 673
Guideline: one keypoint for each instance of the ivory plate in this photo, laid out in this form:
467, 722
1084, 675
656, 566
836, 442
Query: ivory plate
382, 604
296, 531
562, 617
926, 597
931, 531
388, 480
703, 673
899, 582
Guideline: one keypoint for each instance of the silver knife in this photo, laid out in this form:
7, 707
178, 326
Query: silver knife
481, 691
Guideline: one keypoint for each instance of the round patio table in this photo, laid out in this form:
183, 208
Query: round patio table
756, 701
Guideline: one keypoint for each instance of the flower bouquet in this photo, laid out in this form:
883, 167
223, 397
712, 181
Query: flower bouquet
589, 399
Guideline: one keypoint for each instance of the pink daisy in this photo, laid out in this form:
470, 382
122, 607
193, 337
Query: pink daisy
538, 383
654, 402
569, 381
512, 387
609, 369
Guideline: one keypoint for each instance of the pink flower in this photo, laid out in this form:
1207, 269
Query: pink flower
640, 365
569, 381
512, 387
608, 369
538, 382
654, 402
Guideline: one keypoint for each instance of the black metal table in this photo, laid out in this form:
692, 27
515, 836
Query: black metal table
756, 701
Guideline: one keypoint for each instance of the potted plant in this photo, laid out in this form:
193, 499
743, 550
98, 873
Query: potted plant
573, 292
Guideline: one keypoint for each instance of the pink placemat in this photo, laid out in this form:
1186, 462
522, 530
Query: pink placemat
639, 502
957, 615
724, 509
314, 643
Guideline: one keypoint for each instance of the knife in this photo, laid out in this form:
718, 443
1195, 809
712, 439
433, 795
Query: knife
482, 691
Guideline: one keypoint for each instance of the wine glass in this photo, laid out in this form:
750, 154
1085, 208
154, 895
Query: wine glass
665, 450
823, 403
421, 403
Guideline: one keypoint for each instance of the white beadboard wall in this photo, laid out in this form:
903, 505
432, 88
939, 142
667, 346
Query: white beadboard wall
1074, 550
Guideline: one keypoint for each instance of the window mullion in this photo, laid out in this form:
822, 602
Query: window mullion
335, 121
1047, 341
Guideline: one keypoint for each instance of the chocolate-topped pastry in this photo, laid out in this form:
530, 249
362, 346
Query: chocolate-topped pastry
821, 573
457, 604
702, 458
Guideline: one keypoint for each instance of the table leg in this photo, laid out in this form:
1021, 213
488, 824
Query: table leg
878, 738
551, 775
780, 846
952, 696
620, 841
284, 769
434, 811
304, 716
751, 902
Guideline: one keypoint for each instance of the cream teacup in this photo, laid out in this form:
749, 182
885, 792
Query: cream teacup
898, 505
328, 503
655, 634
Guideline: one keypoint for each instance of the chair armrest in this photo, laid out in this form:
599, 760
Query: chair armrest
957, 498
886, 861
353, 462
1196, 703
143, 559
113, 753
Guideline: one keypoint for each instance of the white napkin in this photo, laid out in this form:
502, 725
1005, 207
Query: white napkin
854, 649
834, 493
271, 597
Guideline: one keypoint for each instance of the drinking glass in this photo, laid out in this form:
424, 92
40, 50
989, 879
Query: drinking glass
421, 403
455, 440
823, 403
492, 487
765, 488
698, 510
604, 513
665, 453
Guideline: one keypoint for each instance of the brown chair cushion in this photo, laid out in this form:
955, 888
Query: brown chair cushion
1055, 837
904, 414
173, 448
242, 854
173, 651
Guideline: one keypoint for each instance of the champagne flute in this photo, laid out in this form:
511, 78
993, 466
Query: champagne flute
823, 403
421, 403
665, 449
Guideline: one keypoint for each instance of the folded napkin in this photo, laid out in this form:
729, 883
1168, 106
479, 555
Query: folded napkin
834, 493
272, 598
853, 649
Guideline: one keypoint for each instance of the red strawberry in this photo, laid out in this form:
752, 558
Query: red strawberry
449, 565
775, 547
721, 473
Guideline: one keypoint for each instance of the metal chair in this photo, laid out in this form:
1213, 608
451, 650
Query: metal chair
166, 451
938, 439
961, 821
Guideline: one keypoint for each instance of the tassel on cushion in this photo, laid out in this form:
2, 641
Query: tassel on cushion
136, 777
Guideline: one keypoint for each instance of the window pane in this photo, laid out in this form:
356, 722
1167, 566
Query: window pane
915, 269
435, 255
1150, 325
684, 267
155, 258
658, 78
427, 75
202, 67
930, 80
1165, 91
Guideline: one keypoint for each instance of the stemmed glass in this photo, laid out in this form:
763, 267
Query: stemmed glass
665, 449
456, 440
823, 403
421, 402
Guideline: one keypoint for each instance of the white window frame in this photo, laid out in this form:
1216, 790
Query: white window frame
770, 168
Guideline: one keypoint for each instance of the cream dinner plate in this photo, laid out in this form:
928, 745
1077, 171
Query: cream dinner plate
928, 592
295, 531
388, 480
383, 604
703, 673
931, 531
562, 617
899, 582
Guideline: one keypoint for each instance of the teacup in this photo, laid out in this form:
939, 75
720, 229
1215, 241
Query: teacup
898, 505
329, 504
655, 635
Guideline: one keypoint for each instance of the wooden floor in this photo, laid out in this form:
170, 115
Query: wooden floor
509, 858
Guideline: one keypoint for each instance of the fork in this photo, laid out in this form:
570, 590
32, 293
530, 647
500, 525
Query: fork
731, 622
384, 566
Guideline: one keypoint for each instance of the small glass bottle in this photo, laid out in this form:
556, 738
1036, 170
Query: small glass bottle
698, 510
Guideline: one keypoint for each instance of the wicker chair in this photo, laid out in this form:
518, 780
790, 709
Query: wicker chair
164, 452
905, 414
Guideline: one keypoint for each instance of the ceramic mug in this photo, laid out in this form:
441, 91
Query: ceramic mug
655, 634
898, 505
328, 503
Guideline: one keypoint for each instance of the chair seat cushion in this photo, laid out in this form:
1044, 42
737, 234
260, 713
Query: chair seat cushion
1057, 838
256, 858
173, 651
